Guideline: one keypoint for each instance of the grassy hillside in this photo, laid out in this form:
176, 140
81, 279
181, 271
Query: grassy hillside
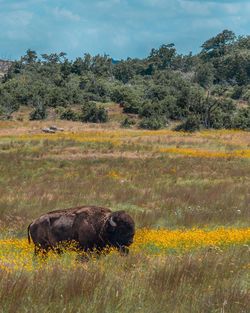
209, 90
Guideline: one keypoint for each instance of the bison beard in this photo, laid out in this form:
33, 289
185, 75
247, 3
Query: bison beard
92, 228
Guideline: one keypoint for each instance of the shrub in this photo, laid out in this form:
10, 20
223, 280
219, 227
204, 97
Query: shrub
153, 122
8, 102
150, 109
5, 114
242, 119
39, 113
93, 113
191, 124
246, 95
127, 122
69, 115
128, 98
237, 92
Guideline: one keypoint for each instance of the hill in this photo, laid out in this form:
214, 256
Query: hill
208, 90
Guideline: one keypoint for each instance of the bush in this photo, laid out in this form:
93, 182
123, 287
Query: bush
218, 90
237, 92
127, 122
128, 98
242, 119
191, 124
222, 115
69, 115
39, 113
93, 113
153, 122
151, 109
1, 111
8, 102
246, 95
4, 114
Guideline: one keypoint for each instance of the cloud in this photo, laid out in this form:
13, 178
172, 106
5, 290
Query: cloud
107, 4
211, 23
66, 14
121, 28
16, 19
194, 7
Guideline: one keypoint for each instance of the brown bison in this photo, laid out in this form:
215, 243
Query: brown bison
92, 228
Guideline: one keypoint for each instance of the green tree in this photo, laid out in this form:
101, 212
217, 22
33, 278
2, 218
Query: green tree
39, 112
217, 46
93, 113
163, 57
204, 75
153, 122
30, 57
242, 119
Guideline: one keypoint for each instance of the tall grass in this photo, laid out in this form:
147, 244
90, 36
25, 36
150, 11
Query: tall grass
160, 191
165, 180
206, 281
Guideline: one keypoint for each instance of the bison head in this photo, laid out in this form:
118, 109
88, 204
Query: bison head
120, 229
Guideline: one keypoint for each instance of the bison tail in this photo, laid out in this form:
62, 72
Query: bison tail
28, 232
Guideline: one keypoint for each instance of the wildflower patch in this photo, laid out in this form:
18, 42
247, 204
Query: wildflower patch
17, 254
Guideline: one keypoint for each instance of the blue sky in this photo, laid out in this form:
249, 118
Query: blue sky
120, 28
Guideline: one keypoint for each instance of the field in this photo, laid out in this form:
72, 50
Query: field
189, 195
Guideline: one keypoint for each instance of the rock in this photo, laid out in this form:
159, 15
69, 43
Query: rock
53, 127
48, 130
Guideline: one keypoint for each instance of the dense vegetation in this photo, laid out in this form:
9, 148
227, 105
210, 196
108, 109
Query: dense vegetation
207, 90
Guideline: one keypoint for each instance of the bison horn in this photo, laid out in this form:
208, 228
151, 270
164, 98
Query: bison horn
112, 223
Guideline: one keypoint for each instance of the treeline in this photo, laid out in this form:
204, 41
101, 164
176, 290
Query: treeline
208, 90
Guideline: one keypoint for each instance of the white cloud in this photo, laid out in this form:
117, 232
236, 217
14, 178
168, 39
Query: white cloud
16, 19
195, 7
211, 6
120, 27
106, 4
232, 8
66, 14
208, 23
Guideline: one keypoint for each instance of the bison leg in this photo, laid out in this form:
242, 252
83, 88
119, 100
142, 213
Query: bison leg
41, 251
82, 258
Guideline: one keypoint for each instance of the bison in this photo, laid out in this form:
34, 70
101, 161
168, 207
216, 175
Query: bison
91, 228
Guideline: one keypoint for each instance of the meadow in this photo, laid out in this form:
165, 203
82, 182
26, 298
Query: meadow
188, 193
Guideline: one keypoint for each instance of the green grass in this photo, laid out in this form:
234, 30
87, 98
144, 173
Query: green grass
158, 190
205, 281
163, 191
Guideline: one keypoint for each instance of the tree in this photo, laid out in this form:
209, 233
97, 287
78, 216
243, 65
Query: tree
191, 124
70, 115
30, 57
128, 97
124, 71
242, 119
217, 46
153, 122
93, 113
163, 57
204, 75
39, 112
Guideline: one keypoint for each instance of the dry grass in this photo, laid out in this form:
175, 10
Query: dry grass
17, 254
206, 281
164, 179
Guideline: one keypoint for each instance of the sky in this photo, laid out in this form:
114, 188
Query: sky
119, 28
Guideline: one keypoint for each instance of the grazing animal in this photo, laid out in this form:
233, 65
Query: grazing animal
92, 228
